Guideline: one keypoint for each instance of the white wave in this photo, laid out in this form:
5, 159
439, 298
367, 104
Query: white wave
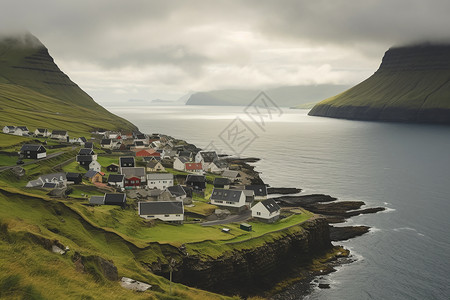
408, 229
374, 229
388, 210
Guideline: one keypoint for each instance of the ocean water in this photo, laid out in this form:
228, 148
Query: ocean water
403, 167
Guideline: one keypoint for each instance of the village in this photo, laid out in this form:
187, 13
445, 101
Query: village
162, 178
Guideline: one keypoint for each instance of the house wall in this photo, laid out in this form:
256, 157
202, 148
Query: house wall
168, 218
95, 165
117, 184
260, 211
97, 178
178, 165
159, 184
41, 155
230, 204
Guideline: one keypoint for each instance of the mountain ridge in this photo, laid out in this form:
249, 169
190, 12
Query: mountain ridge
412, 84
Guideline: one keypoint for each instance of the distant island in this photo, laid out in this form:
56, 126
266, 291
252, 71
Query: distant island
411, 85
303, 96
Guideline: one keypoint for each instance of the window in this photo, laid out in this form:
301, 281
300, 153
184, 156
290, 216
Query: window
166, 216
229, 202
178, 215
258, 213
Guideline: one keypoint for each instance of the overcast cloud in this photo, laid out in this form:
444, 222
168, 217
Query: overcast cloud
120, 50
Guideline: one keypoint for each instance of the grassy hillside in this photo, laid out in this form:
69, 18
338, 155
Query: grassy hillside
411, 85
36, 93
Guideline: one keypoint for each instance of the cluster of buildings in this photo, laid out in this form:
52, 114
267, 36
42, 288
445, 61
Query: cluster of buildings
61, 135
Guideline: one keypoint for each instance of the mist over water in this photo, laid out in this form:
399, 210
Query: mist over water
403, 167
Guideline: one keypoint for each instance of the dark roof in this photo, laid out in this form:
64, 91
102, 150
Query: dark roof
113, 165
185, 154
41, 130
83, 139
139, 143
271, 205
70, 175
222, 164
23, 128
209, 156
226, 195
116, 178
126, 160
177, 190
260, 190
50, 185
183, 159
84, 158
98, 200
90, 173
152, 163
221, 181
88, 145
32, 147
115, 199
59, 132
86, 151
133, 172
195, 178
160, 208
105, 142
141, 136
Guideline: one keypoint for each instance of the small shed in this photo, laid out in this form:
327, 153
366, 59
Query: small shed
245, 226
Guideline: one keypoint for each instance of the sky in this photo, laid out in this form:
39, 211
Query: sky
122, 50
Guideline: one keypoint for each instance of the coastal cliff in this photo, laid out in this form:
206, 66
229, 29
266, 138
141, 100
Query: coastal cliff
253, 270
412, 84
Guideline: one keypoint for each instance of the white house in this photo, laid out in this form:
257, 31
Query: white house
177, 192
117, 180
95, 165
228, 198
9, 129
179, 163
170, 211
155, 166
41, 132
159, 180
106, 143
218, 166
266, 210
206, 158
59, 135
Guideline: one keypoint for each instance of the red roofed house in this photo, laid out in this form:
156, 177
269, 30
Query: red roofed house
192, 167
147, 153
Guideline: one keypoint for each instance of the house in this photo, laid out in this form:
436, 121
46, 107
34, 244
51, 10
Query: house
146, 153
22, 130
159, 180
206, 158
169, 154
170, 211
232, 175
132, 182
234, 199
116, 199
84, 160
33, 151
155, 166
9, 129
117, 180
61, 135
196, 182
81, 140
106, 143
222, 183
95, 165
179, 163
97, 200
260, 191
187, 154
112, 168
177, 192
41, 132
192, 167
74, 178
266, 210
126, 162
218, 166
249, 197
138, 172
139, 144
93, 176
59, 178
89, 145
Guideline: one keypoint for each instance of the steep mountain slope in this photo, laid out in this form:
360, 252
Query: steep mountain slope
35, 92
411, 85
303, 95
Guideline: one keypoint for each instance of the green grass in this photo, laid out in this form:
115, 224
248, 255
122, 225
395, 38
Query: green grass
201, 208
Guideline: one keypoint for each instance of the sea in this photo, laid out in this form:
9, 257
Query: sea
402, 167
